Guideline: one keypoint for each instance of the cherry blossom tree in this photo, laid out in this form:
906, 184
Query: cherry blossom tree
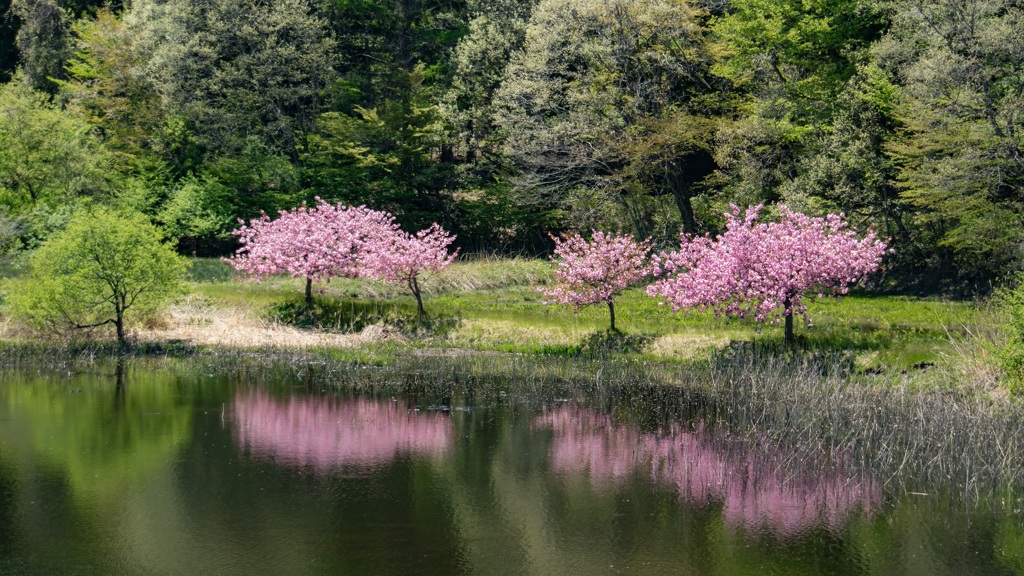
764, 269
595, 271
399, 257
318, 243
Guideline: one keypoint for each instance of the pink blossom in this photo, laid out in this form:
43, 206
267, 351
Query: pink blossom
329, 241
396, 256
763, 269
754, 492
316, 243
598, 270
325, 434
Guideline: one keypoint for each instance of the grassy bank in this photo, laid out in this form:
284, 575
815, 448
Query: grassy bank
490, 305
896, 391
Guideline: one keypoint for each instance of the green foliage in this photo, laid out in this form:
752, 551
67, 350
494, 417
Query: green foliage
599, 85
959, 154
243, 184
195, 209
381, 41
235, 70
479, 62
50, 161
1011, 354
107, 87
384, 157
105, 268
43, 40
504, 120
792, 59
809, 46
47, 156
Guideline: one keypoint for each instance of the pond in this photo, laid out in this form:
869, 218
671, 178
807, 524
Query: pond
200, 467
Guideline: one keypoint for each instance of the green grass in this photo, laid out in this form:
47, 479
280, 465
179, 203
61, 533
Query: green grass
490, 305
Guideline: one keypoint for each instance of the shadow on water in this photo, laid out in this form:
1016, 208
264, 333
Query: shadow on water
8, 509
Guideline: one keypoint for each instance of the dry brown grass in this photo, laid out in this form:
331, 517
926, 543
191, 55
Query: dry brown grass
195, 322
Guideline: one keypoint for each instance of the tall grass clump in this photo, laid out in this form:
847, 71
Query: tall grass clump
810, 413
484, 273
798, 415
353, 316
804, 416
1011, 351
911, 438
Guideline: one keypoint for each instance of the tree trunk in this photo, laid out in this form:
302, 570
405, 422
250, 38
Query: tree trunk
415, 287
790, 338
681, 194
611, 313
119, 324
685, 210
119, 307
309, 291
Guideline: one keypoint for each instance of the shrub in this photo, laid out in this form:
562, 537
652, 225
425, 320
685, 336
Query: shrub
1011, 353
105, 268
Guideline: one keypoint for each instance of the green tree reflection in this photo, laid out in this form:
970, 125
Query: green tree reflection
99, 430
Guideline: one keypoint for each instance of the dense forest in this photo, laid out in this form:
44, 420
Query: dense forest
505, 120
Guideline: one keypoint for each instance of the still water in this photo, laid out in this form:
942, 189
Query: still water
177, 467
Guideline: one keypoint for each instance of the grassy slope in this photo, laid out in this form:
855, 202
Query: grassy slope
498, 310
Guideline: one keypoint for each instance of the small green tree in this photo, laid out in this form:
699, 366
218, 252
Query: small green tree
102, 267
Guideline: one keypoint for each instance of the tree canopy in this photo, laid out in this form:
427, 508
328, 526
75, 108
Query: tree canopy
105, 268
505, 121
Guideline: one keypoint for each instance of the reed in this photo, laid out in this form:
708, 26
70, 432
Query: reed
803, 413
807, 414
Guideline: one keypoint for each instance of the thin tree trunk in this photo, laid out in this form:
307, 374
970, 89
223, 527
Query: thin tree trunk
415, 287
119, 307
686, 211
681, 194
790, 338
309, 291
611, 312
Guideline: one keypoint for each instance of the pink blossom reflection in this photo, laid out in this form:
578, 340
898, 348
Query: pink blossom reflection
324, 433
753, 491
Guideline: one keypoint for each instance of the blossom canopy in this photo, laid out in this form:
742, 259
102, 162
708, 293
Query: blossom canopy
596, 270
318, 243
764, 269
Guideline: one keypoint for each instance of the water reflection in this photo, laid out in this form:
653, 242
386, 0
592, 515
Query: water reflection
325, 433
100, 434
754, 492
